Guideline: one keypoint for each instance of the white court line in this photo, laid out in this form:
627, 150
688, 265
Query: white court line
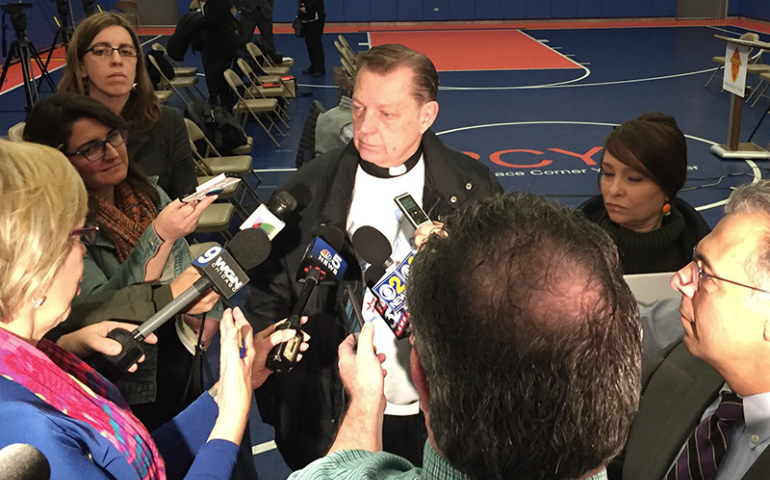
754, 169
151, 40
268, 170
309, 85
725, 30
572, 84
263, 447
554, 51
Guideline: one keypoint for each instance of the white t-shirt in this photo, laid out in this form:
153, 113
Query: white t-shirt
372, 204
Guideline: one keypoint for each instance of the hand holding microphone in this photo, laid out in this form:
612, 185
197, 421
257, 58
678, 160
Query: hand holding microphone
221, 269
321, 262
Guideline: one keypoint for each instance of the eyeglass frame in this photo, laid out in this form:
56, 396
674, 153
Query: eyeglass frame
113, 49
91, 230
701, 275
104, 143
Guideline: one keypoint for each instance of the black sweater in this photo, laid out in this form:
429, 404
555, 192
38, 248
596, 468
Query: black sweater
666, 249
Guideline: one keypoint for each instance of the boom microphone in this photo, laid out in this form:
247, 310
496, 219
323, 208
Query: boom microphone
222, 270
20, 461
320, 263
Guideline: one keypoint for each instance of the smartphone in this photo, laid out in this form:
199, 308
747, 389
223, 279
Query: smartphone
351, 307
413, 212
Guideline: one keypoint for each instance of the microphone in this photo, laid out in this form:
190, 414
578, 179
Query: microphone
389, 290
20, 461
270, 218
321, 263
372, 246
220, 269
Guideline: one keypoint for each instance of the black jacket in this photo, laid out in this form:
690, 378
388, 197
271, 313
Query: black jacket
306, 404
165, 152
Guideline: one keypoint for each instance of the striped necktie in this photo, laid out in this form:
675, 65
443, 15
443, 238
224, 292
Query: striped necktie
707, 445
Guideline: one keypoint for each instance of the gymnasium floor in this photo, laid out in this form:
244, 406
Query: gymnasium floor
534, 102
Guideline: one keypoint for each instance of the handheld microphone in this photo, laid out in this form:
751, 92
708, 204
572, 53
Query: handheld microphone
20, 461
385, 278
321, 263
222, 270
271, 218
372, 246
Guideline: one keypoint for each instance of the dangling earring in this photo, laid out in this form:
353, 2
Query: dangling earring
38, 302
86, 85
666, 209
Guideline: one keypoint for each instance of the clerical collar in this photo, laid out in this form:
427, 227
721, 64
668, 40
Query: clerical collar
380, 172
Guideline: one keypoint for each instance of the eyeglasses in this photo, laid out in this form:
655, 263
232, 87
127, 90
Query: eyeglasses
701, 275
95, 150
102, 50
88, 234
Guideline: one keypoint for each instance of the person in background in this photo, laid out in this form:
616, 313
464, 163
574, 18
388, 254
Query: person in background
105, 62
313, 17
334, 127
219, 47
526, 353
643, 168
259, 14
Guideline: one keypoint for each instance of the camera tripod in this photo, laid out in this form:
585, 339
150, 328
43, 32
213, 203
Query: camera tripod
65, 31
24, 50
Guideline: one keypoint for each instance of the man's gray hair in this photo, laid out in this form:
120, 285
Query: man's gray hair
747, 199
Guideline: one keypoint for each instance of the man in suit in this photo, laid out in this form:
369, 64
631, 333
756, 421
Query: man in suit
258, 13
717, 380
526, 352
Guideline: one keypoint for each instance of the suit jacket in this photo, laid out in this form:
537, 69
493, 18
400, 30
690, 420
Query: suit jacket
677, 389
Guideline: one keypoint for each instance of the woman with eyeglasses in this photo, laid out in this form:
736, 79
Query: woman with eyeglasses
53, 401
644, 166
140, 246
105, 62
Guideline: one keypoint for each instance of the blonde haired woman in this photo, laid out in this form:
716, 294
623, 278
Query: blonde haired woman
49, 398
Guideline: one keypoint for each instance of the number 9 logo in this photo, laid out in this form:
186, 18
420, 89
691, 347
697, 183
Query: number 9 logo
208, 255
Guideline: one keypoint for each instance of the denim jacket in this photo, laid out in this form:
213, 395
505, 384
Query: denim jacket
104, 275
102, 271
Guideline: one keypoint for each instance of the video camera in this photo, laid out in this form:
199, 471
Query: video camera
18, 16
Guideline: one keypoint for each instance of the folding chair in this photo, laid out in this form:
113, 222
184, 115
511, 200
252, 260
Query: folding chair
198, 249
185, 83
253, 106
16, 132
179, 71
346, 52
344, 42
163, 95
258, 91
720, 61
231, 194
216, 219
216, 164
263, 64
287, 62
757, 68
765, 79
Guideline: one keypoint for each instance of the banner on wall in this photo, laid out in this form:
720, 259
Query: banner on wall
736, 59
